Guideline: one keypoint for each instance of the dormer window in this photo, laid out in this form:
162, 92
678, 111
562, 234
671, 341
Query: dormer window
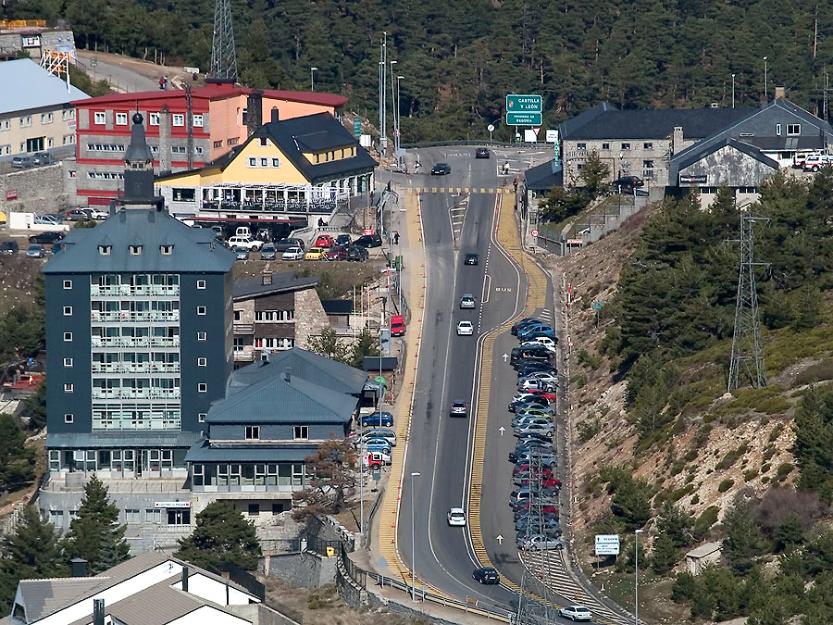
166, 250
135, 250
105, 250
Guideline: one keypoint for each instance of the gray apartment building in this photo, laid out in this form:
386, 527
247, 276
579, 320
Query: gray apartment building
139, 344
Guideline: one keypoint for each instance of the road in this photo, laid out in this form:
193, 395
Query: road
125, 74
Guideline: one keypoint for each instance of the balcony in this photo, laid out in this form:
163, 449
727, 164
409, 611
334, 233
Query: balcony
134, 317
122, 290
244, 328
135, 393
135, 367
245, 354
99, 342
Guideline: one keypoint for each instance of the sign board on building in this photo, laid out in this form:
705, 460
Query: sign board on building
357, 127
191, 70
524, 109
552, 136
365, 141
30, 41
171, 504
530, 136
694, 178
607, 544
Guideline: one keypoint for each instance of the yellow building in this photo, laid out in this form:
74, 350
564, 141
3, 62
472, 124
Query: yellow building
300, 166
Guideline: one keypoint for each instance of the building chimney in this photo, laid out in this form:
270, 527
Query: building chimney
185, 578
98, 611
266, 277
780, 93
677, 140
164, 140
287, 377
276, 116
78, 567
254, 110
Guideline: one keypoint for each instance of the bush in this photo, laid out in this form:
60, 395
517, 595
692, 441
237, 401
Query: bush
750, 474
587, 429
705, 521
731, 457
725, 485
695, 500
783, 470
590, 361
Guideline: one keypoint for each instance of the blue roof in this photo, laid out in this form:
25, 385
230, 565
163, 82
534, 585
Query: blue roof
117, 439
43, 89
203, 452
194, 249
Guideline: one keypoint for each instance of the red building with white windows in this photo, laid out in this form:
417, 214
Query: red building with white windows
219, 120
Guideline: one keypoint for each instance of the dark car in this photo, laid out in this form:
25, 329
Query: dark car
336, 253
46, 237
471, 259
357, 254
628, 183
482, 153
77, 214
486, 575
285, 244
441, 169
344, 239
369, 240
522, 322
8, 248
268, 252
42, 158
378, 419
241, 253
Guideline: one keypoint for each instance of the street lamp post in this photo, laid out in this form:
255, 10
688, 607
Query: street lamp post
393, 99
413, 539
766, 90
398, 117
733, 91
636, 534
312, 71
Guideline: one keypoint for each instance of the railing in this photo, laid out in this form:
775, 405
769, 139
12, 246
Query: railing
124, 316
153, 423
135, 393
145, 341
117, 290
137, 367
244, 354
324, 205
244, 328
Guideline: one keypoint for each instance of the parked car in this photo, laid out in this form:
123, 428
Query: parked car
799, 159
441, 169
458, 409
244, 241
522, 322
627, 183
268, 252
338, 252
467, 301
35, 251
357, 253
343, 239
482, 153
575, 613
814, 162
325, 241
314, 253
368, 240
97, 213
293, 253
486, 575
397, 325
388, 435
264, 234
284, 244
21, 162
457, 517
465, 328
471, 259
531, 331
42, 158
241, 253
77, 214
378, 419
48, 237
8, 248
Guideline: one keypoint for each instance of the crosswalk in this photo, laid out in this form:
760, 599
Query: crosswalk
551, 570
461, 190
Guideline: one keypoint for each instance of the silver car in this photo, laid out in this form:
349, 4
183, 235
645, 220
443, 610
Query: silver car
468, 301
541, 542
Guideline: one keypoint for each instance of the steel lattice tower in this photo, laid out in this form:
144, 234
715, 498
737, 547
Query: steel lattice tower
747, 346
223, 53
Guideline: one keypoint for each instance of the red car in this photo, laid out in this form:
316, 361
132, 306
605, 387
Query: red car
551, 483
546, 508
324, 240
338, 252
548, 395
523, 470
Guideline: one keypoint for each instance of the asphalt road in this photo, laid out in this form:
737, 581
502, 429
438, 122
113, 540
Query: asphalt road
439, 448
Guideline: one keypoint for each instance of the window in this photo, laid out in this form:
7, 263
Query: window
201, 336
202, 387
178, 119
626, 146
153, 515
581, 146
263, 141
197, 121
264, 162
201, 284
300, 432
198, 149
69, 387
46, 118
153, 119
135, 250
252, 161
26, 121
648, 146
276, 162
218, 144
201, 417
605, 146
201, 310
5, 124
67, 362
198, 474
254, 509
67, 337
793, 130
166, 250
132, 516
67, 284
202, 361
67, 311
69, 418
237, 315
252, 432
68, 114
121, 119
104, 250
178, 149
100, 117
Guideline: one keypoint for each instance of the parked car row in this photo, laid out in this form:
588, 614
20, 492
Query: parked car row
375, 438
324, 247
534, 500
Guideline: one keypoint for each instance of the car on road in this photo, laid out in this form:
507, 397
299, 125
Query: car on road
268, 252
468, 302
324, 240
241, 253
458, 409
486, 575
457, 517
378, 419
471, 259
293, 253
35, 251
337, 252
369, 240
465, 328
357, 254
45, 238
627, 183
441, 169
482, 153
576, 613
314, 253
522, 322
9, 248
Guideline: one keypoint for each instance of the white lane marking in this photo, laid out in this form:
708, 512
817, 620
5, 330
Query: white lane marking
487, 282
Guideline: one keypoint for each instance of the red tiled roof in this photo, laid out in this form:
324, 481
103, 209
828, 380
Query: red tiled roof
212, 92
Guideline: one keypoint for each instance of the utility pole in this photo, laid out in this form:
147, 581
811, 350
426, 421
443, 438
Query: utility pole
747, 345
636, 534
824, 99
223, 53
766, 90
312, 71
398, 118
733, 91
189, 125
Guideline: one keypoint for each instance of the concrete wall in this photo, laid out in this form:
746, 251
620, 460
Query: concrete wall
38, 190
305, 569
310, 318
730, 167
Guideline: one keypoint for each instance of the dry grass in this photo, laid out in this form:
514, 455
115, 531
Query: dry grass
336, 279
17, 279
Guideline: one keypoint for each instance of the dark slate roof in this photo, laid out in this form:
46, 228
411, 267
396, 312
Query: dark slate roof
371, 363
304, 365
194, 248
571, 125
132, 438
337, 306
611, 123
203, 452
282, 282
692, 157
544, 177
779, 144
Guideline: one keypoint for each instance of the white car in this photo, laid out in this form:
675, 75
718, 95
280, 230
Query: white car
541, 542
244, 242
465, 328
576, 613
468, 301
457, 517
98, 214
293, 253
545, 341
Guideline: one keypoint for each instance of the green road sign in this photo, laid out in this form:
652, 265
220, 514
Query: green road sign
357, 128
524, 110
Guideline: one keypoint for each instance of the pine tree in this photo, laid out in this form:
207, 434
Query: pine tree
95, 533
221, 538
665, 554
744, 541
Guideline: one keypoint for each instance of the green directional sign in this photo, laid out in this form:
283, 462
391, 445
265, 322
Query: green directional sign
524, 110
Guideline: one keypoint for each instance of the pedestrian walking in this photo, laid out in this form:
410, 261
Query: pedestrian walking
396, 238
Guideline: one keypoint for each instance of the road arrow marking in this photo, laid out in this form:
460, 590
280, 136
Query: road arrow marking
505, 357
499, 539
502, 430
